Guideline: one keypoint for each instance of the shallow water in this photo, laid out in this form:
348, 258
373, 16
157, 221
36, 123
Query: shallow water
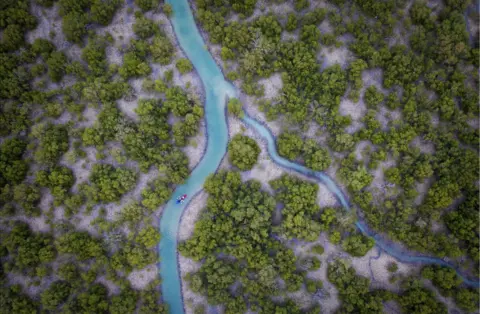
217, 89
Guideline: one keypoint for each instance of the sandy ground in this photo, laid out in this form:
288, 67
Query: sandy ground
384, 116
358, 110
112, 288
26, 283
197, 146
425, 147
49, 21
449, 302
329, 301
379, 273
188, 266
190, 215
329, 56
139, 279
37, 224
355, 110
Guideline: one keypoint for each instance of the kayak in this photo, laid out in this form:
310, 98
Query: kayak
181, 199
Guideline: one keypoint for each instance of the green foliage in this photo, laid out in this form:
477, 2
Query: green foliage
103, 11
227, 54
108, 184
138, 257
421, 14
452, 42
300, 201
43, 47
402, 67
317, 249
55, 295
420, 300
52, 142
237, 222
15, 302
93, 300
28, 249
162, 50
59, 180
358, 245
146, 5
353, 289
248, 221
269, 27
56, 65
467, 299
392, 267
12, 168
292, 22
310, 35
314, 17
12, 38
145, 28
148, 237
67, 6
464, 223
313, 285
167, 9
74, 26
131, 214
444, 278
355, 76
243, 152
69, 273
124, 303
81, 244
134, 66
289, 145
301, 4
234, 107
373, 97
355, 176
184, 65
27, 197
316, 158
156, 193
14, 118
94, 55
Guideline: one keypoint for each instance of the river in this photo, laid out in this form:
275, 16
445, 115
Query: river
217, 90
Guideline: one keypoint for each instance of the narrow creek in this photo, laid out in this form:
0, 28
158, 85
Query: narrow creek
217, 90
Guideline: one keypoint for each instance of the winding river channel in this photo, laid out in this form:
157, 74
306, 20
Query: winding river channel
217, 90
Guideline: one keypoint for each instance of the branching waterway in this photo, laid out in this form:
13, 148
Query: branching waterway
217, 90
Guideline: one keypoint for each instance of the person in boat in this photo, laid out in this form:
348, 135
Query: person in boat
181, 199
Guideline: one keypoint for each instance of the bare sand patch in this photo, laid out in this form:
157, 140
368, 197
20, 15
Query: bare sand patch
384, 116
139, 279
112, 287
49, 23
197, 146
425, 147
272, 85
329, 294
355, 110
331, 56
190, 215
187, 266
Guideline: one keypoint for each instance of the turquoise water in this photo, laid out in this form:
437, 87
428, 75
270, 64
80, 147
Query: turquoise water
217, 89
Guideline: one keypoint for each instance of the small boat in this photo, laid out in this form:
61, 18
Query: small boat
181, 199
